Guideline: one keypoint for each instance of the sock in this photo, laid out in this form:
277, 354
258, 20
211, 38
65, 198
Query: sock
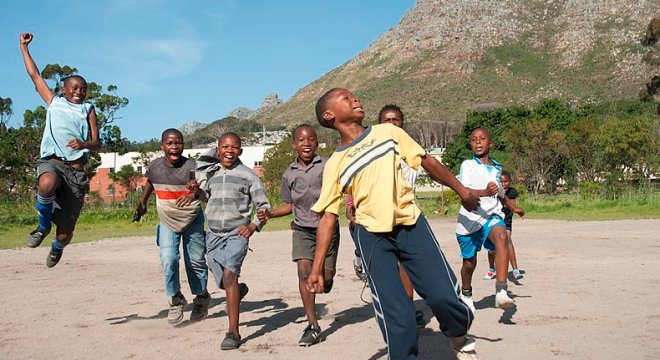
57, 247
45, 210
467, 292
501, 285
491, 270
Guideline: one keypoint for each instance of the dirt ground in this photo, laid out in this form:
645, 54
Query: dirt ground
590, 292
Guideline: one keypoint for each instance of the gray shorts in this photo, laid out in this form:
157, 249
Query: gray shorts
226, 250
70, 194
304, 245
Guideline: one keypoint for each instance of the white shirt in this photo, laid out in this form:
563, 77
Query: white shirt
475, 175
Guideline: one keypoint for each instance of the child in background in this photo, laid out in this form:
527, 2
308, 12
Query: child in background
232, 192
301, 186
485, 225
390, 229
71, 132
181, 222
512, 194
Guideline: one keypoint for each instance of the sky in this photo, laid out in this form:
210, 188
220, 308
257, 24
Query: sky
182, 61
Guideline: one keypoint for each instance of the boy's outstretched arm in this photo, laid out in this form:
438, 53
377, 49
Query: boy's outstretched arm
441, 174
285, 209
323, 240
511, 204
42, 88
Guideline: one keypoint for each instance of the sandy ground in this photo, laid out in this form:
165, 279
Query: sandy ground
590, 292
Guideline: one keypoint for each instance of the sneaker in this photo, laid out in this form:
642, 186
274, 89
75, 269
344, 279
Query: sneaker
36, 237
468, 301
490, 275
200, 308
311, 336
231, 342
502, 300
419, 318
175, 314
359, 269
327, 286
243, 289
517, 274
464, 348
53, 257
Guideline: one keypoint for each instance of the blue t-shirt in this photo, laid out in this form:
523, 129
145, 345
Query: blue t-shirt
65, 121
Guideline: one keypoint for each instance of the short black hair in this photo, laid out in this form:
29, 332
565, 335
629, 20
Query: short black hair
232, 134
169, 131
506, 173
484, 130
390, 107
293, 133
70, 77
321, 106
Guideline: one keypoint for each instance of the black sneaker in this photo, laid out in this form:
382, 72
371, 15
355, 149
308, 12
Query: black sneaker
311, 336
36, 237
231, 342
419, 318
327, 286
200, 308
243, 289
53, 258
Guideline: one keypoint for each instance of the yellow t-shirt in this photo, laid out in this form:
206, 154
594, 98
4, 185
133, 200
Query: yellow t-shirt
369, 170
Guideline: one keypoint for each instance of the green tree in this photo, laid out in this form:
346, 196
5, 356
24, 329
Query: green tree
126, 176
5, 109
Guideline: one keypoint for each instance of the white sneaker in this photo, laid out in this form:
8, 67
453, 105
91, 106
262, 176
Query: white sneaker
464, 348
468, 301
502, 300
490, 275
517, 274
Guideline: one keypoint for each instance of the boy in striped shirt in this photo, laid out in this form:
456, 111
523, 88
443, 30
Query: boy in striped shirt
233, 192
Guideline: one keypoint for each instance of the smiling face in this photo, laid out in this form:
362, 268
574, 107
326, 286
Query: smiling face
229, 149
480, 142
305, 143
343, 106
172, 146
75, 89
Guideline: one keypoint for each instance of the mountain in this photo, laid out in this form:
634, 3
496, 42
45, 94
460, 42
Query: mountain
445, 57
191, 127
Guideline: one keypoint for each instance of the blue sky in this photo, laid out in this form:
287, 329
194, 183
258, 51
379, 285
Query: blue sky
179, 61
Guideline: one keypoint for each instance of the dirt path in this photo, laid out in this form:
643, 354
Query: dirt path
590, 292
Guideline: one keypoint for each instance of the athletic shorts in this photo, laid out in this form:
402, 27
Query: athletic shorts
70, 194
304, 245
471, 243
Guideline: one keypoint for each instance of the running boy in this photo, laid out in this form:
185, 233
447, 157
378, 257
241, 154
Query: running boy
390, 114
233, 192
71, 132
485, 225
390, 228
512, 194
301, 186
181, 221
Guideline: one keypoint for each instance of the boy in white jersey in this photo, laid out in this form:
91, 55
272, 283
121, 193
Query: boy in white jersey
71, 132
390, 228
485, 225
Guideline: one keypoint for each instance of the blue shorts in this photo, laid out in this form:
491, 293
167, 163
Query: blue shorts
471, 243
225, 251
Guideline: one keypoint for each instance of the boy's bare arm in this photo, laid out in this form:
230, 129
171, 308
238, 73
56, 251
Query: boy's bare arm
42, 88
441, 174
490, 190
147, 189
283, 210
323, 240
511, 204
93, 143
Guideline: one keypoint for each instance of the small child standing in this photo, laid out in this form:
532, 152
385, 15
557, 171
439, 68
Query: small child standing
301, 186
512, 194
181, 222
63, 153
390, 229
232, 192
485, 225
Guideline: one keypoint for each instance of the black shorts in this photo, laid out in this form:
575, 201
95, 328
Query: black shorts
70, 194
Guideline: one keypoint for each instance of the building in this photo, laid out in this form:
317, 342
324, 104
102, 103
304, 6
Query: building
108, 190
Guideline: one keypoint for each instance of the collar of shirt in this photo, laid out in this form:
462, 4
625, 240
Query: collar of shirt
296, 165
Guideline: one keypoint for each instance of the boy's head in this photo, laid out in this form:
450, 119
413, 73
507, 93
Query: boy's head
391, 114
338, 106
305, 142
505, 179
74, 89
171, 142
480, 142
229, 149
